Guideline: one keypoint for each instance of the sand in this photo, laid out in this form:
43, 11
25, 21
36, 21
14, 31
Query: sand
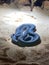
10, 19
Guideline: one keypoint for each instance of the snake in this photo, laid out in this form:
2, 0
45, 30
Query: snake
25, 36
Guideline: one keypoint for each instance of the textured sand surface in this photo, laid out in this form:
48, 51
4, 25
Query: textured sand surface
11, 54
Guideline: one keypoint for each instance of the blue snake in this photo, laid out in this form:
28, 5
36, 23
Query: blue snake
25, 35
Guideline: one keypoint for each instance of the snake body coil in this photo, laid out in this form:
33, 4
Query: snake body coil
25, 36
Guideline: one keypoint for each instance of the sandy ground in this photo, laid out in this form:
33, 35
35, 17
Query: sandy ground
11, 54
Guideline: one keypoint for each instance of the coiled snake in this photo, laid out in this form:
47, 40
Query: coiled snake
25, 36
